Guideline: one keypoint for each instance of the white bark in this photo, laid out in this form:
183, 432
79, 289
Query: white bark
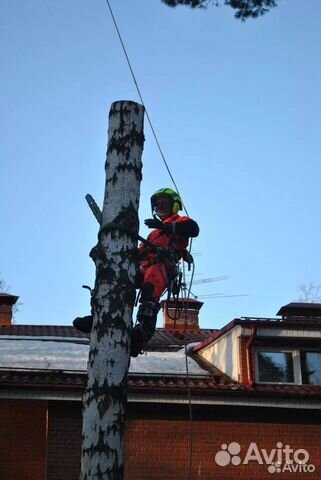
113, 299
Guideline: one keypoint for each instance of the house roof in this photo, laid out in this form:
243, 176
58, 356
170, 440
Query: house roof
155, 384
162, 339
55, 357
63, 348
41, 330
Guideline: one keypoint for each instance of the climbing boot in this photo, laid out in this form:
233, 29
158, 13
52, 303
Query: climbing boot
83, 324
145, 327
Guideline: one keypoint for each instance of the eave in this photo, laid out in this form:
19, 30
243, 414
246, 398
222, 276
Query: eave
160, 389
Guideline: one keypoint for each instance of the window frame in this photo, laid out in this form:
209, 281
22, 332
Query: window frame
296, 358
307, 350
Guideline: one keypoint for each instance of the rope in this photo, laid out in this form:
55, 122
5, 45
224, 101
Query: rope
189, 395
190, 423
142, 101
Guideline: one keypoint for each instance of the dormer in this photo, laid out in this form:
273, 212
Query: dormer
269, 351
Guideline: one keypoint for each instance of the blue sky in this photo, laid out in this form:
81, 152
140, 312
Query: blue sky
236, 107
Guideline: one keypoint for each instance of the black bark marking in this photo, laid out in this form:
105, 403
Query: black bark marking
129, 218
120, 108
123, 144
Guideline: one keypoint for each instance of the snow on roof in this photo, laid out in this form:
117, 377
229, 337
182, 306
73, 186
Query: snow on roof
165, 362
53, 355
47, 355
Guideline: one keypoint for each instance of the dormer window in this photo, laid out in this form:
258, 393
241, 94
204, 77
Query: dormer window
311, 368
276, 367
288, 366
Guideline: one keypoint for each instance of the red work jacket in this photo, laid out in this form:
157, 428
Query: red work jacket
159, 238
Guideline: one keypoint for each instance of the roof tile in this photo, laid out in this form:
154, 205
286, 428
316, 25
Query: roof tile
155, 384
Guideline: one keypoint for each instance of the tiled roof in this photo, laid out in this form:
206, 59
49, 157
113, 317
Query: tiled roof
41, 331
161, 341
213, 383
209, 386
36, 378
156, 384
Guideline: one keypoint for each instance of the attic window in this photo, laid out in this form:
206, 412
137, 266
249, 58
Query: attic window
275, 367
288, 366
311, 368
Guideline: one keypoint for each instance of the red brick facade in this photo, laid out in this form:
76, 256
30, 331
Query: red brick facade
22, 440
156, 441
159, 449
64, 441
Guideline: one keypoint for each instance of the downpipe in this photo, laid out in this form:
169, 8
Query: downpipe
249, 356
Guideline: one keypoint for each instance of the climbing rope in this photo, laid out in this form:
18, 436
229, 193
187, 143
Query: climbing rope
142, 101
190, 411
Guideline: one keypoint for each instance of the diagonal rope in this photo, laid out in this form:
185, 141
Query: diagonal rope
142, 101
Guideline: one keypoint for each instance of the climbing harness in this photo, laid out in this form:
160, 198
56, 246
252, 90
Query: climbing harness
177, 287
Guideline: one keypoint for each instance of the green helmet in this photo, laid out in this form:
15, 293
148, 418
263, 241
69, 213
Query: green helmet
177, 203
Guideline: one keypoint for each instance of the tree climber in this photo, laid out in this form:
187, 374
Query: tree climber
171, 235
156, 266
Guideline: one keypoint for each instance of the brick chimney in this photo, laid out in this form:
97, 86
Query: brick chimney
296, 312
6, 303
181, 315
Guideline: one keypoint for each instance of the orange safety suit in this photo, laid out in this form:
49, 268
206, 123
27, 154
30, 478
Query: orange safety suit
158, 270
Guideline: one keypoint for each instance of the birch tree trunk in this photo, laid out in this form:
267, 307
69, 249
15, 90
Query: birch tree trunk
113, 299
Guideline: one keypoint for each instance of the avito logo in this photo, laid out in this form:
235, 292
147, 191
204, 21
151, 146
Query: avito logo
281, 459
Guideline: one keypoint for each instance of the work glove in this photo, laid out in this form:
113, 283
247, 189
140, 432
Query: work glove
155, 223
188, 257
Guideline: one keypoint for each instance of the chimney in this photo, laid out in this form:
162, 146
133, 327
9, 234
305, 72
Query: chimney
296, 312
181, 315
6, 303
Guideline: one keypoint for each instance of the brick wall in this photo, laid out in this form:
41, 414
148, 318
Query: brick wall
22, 440
155, 449
64, 440
159, 450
